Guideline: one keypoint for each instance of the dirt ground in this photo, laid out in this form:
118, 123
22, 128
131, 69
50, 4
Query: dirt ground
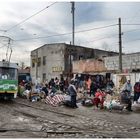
23, 119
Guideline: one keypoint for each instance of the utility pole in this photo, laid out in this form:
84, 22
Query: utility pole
120, 47
36, 64
73, 23
70, 66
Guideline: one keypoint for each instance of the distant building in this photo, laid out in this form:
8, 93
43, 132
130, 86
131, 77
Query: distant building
53, 60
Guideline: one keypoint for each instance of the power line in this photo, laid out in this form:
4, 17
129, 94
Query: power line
97, 28
111, 36
29, 17
133, 30
132, 40
132, 24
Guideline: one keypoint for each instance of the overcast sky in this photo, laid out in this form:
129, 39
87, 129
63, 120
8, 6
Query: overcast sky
57, 19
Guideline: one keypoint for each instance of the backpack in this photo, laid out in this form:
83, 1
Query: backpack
137, 87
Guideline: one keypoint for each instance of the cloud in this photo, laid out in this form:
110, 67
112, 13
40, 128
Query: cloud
57, 19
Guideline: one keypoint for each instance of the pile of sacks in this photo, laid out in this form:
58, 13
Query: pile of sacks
34, 95
112, 103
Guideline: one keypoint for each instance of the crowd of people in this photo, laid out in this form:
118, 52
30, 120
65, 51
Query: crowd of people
126, 94
95, 87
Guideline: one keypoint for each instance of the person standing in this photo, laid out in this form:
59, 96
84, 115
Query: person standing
93, 87
127, 86
73, 93
88, 83
136, 91
109, 84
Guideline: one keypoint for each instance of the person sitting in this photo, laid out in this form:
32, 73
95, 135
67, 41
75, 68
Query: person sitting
126, 99
99, 98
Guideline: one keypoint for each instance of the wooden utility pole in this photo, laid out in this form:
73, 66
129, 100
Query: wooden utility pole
73, 23
120, 47
70, 64
36, 57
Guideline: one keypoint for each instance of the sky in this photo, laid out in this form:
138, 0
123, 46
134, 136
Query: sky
96, 26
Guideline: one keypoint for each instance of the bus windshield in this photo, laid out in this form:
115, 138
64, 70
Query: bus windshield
8, 73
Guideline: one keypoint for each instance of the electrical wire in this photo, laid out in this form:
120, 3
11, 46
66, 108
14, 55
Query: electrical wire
29, 17
131, 24
97, 28
111, 36
133, 30
132, 41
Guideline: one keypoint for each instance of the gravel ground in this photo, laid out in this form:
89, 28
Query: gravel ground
23, 119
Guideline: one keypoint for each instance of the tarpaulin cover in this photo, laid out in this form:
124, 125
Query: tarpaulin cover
54, 100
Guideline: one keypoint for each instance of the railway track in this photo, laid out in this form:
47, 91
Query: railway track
52, 127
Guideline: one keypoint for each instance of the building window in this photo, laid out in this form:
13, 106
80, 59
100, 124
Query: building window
33, 63
39, 62
44, 76
44, 60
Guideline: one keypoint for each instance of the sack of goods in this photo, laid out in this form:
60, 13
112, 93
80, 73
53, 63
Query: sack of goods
116, 105
113, 104
67, 98
87, 102
107, 104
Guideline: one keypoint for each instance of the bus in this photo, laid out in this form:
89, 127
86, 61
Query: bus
8, 80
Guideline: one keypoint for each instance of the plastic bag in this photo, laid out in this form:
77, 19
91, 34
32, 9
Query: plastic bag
67, 98
139, 100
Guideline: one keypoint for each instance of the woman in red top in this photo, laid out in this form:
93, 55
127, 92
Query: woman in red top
99, 98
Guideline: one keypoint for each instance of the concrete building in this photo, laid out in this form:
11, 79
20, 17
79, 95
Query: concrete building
130, 62
52, 60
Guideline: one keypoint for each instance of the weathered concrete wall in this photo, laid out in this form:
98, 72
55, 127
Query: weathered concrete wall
129, 62
90, 65
54, 61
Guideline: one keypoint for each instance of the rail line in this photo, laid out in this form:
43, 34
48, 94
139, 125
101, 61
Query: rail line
74, 129
69, 115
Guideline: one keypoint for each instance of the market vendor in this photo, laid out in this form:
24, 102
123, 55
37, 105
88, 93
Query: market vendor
99, 98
